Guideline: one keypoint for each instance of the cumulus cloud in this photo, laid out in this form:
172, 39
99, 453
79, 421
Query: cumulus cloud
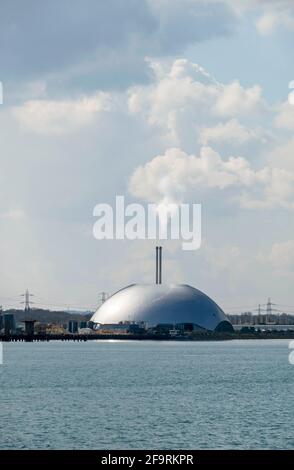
181, 101
285, 116
76, 48
59, 117
176, 176
276, 190
184, 95
230, 132
282, 155
234, 99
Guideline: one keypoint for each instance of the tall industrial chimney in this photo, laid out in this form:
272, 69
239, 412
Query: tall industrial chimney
156, 274
158, 265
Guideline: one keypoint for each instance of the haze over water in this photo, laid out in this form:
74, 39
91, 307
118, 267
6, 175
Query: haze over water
133, 395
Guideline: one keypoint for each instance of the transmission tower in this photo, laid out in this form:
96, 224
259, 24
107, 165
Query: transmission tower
27, 302
269, 309
102, 297
28, 321
259, 311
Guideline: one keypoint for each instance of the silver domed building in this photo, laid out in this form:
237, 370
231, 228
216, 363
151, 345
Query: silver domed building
162, 304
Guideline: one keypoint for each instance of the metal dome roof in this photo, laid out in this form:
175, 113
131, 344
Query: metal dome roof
159, 303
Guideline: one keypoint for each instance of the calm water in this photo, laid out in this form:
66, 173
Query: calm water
105, 395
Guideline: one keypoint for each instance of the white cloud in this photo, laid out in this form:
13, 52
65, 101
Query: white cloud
277, 191
268, 22
105, 48
282, 155
231, 132
233, 100
59, 117
176, 176
285, 116
184, 96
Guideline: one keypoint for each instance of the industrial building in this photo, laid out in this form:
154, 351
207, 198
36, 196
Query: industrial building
154, 304
73, 326
29, 327
9, 324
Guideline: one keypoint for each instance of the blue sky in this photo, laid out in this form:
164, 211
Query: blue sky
250, 57
98, 96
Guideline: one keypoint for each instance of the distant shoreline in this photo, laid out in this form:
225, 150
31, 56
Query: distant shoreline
210, 336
